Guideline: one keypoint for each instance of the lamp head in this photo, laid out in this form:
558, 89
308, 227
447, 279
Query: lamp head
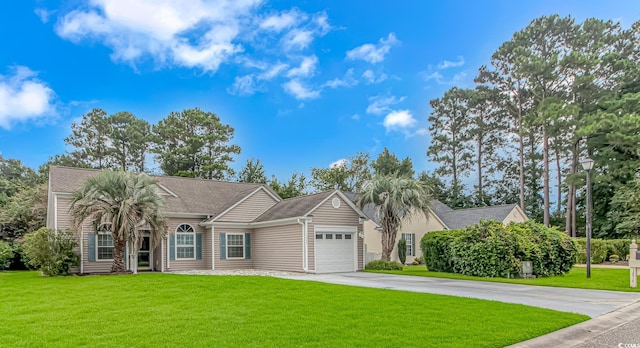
587, 163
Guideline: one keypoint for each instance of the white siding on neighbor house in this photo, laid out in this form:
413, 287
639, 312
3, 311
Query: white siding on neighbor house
420, 225
233, 263
186, 265
278, 248
514, 216
327, 215
250, 208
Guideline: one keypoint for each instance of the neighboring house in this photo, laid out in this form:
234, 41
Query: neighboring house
217, 225
440, 217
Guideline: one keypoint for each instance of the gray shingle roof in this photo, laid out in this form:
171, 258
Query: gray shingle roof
293, 207
196, 196
461, 218
454, 219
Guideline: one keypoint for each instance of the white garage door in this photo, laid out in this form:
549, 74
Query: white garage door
335, 252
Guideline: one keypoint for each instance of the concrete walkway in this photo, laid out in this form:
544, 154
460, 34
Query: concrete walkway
590, 302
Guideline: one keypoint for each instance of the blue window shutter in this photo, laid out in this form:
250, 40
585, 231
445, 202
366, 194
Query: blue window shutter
223, 246
198, 246
247, 245
172, 246
92, 246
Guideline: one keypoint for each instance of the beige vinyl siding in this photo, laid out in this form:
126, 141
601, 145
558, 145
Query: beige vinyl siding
63, 221
514, 216
327, 215
187, 265
250, 208
278, 248
234, 263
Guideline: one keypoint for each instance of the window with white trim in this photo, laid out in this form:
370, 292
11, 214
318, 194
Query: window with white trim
411, 243
235, 246
185, 242
104, 243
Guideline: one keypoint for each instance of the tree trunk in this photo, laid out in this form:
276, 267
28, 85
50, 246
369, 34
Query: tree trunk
389, 232
480, 202
567, 224
521, 149
559, 171
545, 188
119, 264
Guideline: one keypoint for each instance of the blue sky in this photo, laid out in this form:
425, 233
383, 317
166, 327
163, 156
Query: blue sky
304, 83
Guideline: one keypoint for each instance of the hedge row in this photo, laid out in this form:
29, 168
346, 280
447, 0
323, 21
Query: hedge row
490, 249
601, 249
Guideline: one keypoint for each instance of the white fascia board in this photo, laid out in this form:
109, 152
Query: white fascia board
280, 222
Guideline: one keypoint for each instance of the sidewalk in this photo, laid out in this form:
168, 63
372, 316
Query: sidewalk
582, 265
609, 330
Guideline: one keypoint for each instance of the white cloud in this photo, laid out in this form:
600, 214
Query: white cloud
300, 91
457, 78
197, 33
347, 81
307, 68
23, 97
285, 20
446, 64
297, 39
355, 117
439, 78
244, 85
370, 77
373, 53
339, 163
399, 120
273, 71
381, 104
43, 14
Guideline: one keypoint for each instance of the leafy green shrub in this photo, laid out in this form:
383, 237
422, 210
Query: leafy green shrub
436, 249
490, 249
384, 265
402, 251
552, 251
602, 249
485, 250
6, 254
51, 251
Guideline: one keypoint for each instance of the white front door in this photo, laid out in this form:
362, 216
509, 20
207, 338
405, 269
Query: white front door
144, 254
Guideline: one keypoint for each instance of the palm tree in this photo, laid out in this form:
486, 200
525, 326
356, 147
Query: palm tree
396, 200
124, 201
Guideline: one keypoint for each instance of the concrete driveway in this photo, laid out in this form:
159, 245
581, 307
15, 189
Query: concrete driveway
590, 302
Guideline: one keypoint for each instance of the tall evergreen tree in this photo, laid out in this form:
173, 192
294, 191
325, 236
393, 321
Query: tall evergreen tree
253, 172
194, 143
387, 163
448, 124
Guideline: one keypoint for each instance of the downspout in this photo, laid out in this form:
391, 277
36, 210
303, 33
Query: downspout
168, 253
82, 249
213, 247
305, 244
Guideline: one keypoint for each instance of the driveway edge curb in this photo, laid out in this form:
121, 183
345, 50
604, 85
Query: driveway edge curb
581, 333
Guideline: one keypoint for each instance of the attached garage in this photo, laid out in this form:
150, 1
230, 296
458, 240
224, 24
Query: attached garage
336, 250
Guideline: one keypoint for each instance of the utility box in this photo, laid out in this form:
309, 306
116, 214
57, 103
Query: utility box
527, 269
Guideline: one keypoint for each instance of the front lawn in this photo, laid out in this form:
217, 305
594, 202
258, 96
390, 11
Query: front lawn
601, 278
164, 310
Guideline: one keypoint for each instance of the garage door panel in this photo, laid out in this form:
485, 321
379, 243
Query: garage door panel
335, 252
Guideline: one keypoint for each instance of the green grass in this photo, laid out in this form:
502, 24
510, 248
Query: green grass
164, 310
601, 278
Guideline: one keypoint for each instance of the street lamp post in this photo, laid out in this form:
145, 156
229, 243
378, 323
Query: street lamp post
587, 164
